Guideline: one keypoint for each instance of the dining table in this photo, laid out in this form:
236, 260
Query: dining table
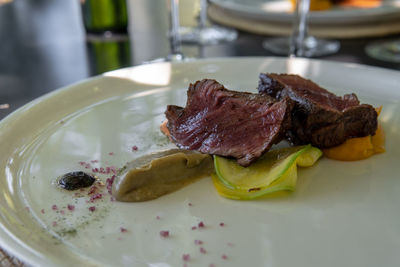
45, 46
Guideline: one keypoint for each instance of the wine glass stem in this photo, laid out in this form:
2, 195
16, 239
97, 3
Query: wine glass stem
203, 13
300, 28
174, 37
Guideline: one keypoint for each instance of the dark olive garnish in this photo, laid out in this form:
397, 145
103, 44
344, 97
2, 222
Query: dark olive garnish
75, 180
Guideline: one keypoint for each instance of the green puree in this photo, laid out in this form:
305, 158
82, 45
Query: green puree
154, 175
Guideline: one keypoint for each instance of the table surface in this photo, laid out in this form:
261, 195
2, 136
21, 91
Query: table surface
44, 47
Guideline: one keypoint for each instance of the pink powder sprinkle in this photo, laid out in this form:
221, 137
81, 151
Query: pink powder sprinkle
95, 170
198, 242
113, 169
54, 207
94, 161
92, 208
158, 217
134, 148
112, 199
42, 211
102, 170
123, 230
202, 250
82, 163
92, 190
194, 227
211, 265
111, 153
224, 257
222, 224
186, 257
164, 233
231, 244
201, 225
109, 183
71, 207
95, 197
54, 223
62, 212
87, 166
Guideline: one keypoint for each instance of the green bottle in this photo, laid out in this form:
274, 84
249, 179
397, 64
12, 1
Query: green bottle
101, 16
108, 55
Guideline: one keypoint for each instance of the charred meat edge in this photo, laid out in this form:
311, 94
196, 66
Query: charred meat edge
319, 117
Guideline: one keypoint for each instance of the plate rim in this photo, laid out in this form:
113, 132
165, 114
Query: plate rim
50, 94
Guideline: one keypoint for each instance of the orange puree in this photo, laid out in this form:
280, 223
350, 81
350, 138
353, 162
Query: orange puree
360, 147
361, 3
319, 5
316, 5
164, 129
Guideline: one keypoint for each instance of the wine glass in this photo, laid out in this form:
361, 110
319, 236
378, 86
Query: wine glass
300, 44
175, 44
174, 36
203, 34
388, 50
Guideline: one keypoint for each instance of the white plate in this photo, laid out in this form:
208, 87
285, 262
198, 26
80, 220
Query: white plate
342, 214
281, 11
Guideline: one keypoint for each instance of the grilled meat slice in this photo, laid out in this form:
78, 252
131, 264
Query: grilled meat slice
228, 123
318, 116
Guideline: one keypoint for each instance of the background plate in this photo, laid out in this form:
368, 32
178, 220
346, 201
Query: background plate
342, 214
280, 11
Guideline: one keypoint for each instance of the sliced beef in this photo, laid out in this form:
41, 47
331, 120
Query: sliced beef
228, 123
318, 116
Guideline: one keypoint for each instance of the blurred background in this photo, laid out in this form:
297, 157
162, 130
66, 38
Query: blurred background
48, 44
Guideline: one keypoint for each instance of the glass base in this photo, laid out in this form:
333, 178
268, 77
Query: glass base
388, 51
314, 47
207, 35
